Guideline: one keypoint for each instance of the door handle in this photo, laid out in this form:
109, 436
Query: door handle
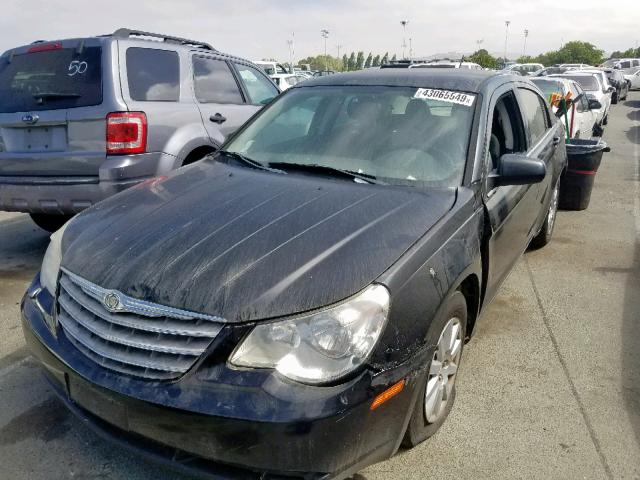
218, 118
556, 141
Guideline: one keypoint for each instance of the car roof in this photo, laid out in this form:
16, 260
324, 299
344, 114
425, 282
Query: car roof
454, 79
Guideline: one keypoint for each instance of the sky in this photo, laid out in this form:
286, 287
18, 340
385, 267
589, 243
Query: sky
258, 29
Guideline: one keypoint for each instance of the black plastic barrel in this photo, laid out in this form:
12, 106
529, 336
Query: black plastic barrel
576, 183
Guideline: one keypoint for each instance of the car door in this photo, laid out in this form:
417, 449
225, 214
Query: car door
221, 102
512, 210
544, 136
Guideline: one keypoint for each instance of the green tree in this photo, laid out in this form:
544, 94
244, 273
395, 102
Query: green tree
483, 58
367, 62
385, 58
345, 63
318, 62
352, 61
376, 61
573, 52
526, 59
360, 61
394, 58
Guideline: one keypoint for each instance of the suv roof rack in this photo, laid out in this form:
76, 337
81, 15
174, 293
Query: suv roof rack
126, 33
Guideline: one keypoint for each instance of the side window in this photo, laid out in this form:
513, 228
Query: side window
535, 113
636, 63
153, 75
626, 64
260, 89
507, 130
213, 82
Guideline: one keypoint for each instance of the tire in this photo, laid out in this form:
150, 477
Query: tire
605, 120
614, 99
420, 426
546, 232
49, 222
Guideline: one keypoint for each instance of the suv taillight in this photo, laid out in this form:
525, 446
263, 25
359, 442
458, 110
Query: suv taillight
126, 133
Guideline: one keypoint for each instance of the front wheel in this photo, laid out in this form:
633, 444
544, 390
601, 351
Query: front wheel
49, 222
605, 120
546, 231
437, 388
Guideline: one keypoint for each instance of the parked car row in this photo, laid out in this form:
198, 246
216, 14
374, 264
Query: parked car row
311, 282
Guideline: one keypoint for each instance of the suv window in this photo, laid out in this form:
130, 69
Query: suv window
626, 64
153, 75
214, 82
535, 114
51, 79
260, 89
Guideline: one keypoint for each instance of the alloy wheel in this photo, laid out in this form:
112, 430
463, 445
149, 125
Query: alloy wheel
443, 369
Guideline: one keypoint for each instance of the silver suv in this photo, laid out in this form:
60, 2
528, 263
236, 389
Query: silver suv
85, 118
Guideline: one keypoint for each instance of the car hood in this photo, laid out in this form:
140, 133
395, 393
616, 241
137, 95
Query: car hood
246, 244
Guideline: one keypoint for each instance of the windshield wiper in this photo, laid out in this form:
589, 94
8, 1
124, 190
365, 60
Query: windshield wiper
54, 96
249, 161
326, 169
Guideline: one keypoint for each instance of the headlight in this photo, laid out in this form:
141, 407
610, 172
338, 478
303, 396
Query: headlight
51, 262
319, 347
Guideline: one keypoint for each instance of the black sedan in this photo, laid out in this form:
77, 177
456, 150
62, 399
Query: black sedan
297, 304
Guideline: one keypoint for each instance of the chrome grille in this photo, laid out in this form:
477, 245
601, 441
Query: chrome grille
139, 338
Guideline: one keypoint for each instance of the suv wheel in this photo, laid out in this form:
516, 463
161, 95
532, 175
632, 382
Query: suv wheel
49, 222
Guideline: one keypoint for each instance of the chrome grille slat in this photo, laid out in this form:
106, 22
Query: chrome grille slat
120, 367
161, 343
171, 363
151, 324
130, 337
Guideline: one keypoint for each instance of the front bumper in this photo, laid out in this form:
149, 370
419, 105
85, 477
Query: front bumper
70, 194
224, 422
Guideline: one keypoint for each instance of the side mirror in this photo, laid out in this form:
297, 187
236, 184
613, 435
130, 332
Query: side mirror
594, 104
611, 90
518, 169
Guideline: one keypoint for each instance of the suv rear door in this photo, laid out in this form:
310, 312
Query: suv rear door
219, 96
52, 121
155, 80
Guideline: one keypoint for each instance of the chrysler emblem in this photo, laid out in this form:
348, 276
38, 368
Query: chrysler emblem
30, 118
112, 302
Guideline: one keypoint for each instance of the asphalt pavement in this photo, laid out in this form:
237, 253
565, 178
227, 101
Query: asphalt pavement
549, 387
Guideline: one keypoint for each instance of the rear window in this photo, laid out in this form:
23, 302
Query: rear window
153, 75
549, 87
52, 79
589, 83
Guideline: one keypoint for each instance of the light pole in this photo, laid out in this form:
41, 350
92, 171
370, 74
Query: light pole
524, 49
478, 43
404, 36
325, 35
339, 47
410, 48
506, 39
292, 48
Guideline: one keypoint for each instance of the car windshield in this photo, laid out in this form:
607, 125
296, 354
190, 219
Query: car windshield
549, 87
395, 135
588, 82
51, 79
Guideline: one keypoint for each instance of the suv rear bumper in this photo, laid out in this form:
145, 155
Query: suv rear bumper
57, 195
71, 194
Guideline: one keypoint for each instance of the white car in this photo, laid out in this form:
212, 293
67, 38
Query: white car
447, 64
526, 68
634, 79
581, 118
271, 68
575, 66
627, 65
594, 87
286, 80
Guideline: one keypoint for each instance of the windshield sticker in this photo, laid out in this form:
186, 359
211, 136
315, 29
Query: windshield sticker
465, 99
